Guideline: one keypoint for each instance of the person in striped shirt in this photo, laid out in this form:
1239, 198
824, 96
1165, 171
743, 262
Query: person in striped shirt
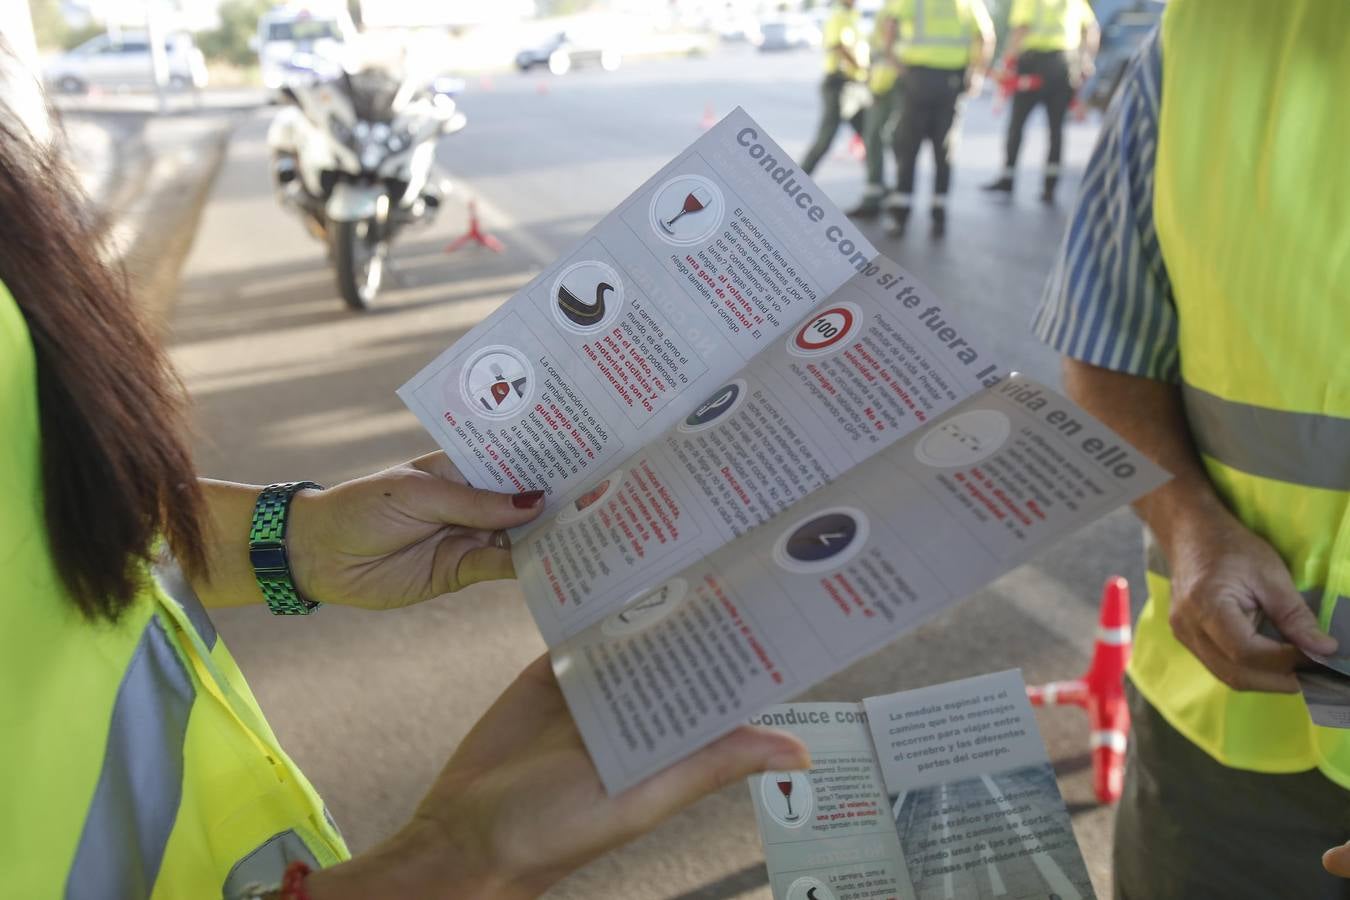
1231, 791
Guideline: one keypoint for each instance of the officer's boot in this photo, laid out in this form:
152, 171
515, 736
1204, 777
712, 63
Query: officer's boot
939, 218
897, 213
869, 207
1003, 184
1048, 192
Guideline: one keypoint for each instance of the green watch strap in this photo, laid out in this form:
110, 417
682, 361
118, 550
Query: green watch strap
267, 549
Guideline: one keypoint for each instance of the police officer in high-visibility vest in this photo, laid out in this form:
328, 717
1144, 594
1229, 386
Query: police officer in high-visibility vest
1202, 301
1052, 46
135, 761
882, 115
944, 46
845, 62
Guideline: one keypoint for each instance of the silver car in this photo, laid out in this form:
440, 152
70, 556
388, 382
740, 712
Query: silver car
121, 61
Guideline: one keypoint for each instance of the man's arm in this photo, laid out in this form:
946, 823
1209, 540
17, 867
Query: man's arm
981, 45
1224, 576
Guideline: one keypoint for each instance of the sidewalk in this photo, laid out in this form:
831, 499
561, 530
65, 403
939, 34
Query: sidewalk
147, 177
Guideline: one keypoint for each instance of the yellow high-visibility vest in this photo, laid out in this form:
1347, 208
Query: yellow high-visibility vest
1052, 24
843, 28
1252, 207
882, 70
938, 33
135, 760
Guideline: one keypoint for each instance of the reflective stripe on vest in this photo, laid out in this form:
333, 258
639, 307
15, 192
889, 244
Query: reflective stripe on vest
1251, 204
1307, 449
139, 786
938, 35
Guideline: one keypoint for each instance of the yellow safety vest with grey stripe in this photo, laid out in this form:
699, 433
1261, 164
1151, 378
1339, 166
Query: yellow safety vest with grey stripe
1051, 24
936, 33
134, 761
1252, 206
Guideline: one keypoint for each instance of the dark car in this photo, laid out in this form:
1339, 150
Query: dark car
1122, 34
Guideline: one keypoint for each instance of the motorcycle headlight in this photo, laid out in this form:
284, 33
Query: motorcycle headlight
399, 140
379, 132
371, 156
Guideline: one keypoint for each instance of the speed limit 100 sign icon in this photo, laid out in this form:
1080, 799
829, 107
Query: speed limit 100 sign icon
826, 330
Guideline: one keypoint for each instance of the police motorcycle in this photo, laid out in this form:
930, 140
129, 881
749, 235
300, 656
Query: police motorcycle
354, 154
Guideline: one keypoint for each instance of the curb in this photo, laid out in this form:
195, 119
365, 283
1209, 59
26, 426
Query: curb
153, 200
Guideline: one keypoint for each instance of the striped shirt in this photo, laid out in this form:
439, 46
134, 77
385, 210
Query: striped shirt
1109, 301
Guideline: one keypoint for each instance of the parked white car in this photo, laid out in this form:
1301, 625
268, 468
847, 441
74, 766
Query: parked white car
121, 61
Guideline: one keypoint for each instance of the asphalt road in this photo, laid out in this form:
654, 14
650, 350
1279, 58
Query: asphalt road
289, 385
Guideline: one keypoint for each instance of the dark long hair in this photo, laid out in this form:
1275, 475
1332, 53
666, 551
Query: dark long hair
117, 473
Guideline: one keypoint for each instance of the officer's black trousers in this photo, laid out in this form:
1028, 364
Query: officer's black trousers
1055, 92
931, 98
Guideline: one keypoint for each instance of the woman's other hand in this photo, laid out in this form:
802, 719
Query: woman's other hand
520, 804
402, 536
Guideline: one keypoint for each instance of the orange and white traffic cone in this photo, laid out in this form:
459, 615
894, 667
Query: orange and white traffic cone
1101, 691
709, 117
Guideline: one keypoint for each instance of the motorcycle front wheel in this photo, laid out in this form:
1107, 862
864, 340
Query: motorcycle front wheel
359, 261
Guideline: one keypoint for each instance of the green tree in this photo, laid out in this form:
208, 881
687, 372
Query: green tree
49, 26
229, 42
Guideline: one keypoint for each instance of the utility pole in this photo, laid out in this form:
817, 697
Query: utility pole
159, 59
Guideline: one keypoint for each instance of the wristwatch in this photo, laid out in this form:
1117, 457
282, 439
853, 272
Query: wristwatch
267, 549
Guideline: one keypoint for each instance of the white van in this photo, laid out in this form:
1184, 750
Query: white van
306, 33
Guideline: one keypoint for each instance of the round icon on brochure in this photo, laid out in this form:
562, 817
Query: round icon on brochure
787, 797
591, 500
587, 297
808, 888
715, 407
647, 609
497, 382
826, 331
823, 540
687, 209
964, 439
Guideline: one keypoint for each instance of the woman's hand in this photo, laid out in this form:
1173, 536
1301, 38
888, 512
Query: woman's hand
520, 804
402, 536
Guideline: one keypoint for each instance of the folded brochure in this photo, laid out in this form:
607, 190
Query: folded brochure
943, 791
767, 451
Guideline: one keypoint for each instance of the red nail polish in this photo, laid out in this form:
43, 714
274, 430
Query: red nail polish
527, 499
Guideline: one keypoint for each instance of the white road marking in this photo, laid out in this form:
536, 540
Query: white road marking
1049, 602
1054, 876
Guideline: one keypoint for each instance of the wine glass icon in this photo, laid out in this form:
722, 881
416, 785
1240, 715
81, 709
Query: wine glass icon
785, 788
695, 201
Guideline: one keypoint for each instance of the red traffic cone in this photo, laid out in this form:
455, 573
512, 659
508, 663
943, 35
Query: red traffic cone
709, 117
475, 234
485, 82
1101, 691
541, 86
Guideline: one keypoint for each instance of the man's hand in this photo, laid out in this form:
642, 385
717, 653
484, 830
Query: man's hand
1223, 575
1223, 580
520, 804
402, 536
